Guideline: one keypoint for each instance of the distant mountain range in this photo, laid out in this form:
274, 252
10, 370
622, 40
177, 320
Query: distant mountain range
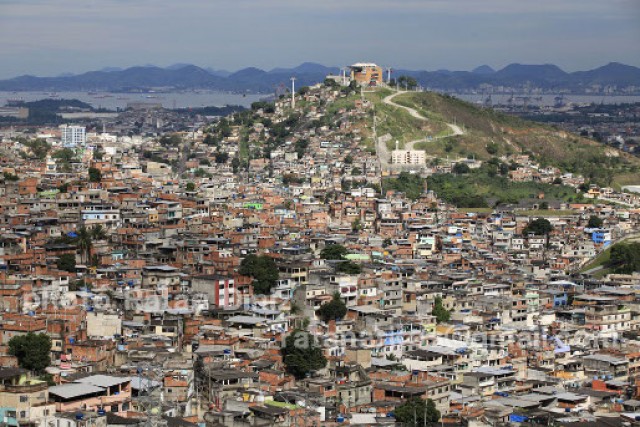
187, 76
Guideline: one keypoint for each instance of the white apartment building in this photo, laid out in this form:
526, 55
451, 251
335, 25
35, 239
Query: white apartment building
73, 136
408, 157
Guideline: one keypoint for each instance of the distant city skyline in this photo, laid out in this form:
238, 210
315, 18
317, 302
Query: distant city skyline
45, 38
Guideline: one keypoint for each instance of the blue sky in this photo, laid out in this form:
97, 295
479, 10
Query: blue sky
50, 37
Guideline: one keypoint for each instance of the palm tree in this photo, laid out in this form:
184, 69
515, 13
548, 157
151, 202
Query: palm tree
84, 243
98, 232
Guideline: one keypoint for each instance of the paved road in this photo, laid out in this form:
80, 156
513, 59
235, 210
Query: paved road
414, 113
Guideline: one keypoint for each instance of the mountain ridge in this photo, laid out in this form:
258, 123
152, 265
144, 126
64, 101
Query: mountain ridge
253, 79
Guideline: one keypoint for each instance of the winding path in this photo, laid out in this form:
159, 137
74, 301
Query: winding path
457, 130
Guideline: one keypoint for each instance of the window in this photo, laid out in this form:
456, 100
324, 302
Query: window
24, 399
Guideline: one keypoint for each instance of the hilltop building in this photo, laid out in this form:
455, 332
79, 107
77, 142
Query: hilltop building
368, 74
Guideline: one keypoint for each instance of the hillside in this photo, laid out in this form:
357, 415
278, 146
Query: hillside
489, 134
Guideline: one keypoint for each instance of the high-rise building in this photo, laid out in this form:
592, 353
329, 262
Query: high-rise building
72, 136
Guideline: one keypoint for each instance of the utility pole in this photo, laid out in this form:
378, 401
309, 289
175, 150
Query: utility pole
293, 93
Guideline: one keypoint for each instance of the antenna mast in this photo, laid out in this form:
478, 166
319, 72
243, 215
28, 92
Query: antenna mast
293, 93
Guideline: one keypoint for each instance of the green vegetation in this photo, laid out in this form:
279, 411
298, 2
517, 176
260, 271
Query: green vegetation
45, 111
625, 258
8, 176
407, 82
595, 222
538, 227
601, 260
66, 262
39, 148
442, 314
348, 267
190, 186
31, 350
417, 412
490, 133
221, 157
334, 252
410, 184
332, 310
264, 271
460, 168
173, 140
484, 185
267, 107
301, 354
95, 175
64, 187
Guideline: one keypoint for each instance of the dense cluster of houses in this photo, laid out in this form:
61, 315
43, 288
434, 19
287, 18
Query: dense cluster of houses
135, 277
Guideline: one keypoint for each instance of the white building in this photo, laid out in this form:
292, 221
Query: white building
72, 136
407, 157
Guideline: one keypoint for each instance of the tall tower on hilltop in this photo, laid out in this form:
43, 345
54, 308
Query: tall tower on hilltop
293, 93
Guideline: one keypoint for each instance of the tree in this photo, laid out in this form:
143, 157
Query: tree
172, 140
356, 225
65, 155
235, 164
66, 262
417, 412
301, 354
625, 258
98, 232
595, 222
264, 271
331, 83
492, 148
441, 313
539, 227
39, 148
191, 186
461, 168
95, 175
333, 252
64, 187
304, 90
332, 310
410, 184
301, 147
221, 157
407, 82
31, 350
98, 153
348, 267
348, 159
84, 242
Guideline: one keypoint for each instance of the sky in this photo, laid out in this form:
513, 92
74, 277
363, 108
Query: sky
51, 37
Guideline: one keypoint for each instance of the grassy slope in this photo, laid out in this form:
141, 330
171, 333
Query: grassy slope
399, 123
602, 259
469, 189
512, 135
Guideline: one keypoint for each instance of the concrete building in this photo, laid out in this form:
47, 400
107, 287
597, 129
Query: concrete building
367, 74
407, 157
73, 136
